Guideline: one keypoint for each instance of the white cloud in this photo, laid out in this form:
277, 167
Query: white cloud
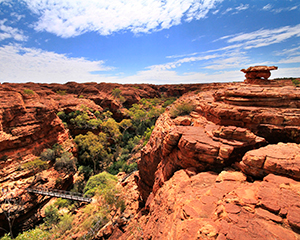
69, 18
267, 7
179, 62
235, 10
7, 32
183, 55
17, 16
19, 64
265, 37
289, 52
286, 72
156, 76
34, 65
229, 61
242, 7
295, 59
227, 10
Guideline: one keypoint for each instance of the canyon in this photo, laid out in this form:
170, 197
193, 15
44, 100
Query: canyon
229, 169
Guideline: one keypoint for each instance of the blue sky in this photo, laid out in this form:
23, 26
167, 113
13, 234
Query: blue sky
146, 41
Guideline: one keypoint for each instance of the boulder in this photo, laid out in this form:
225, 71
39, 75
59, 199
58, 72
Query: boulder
255, 74
281, 159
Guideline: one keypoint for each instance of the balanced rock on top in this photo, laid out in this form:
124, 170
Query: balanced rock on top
258, 74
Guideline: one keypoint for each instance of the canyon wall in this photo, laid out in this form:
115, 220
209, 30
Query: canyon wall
29, 124
228, 170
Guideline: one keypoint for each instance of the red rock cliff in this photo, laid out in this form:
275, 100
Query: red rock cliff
214, 174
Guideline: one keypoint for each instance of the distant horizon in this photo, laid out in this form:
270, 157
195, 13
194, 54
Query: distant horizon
146, 42
281, 78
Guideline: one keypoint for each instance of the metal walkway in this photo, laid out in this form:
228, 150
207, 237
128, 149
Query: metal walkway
60, 194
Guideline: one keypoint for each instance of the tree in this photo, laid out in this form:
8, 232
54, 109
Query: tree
125, 124
116, 92
111, 127
11, 207
51, 216
66, 161
92, 148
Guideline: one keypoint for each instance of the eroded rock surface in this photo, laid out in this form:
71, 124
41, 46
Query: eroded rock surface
211, 206
184, 182
29, 124
256, 74
281, 159
224, 126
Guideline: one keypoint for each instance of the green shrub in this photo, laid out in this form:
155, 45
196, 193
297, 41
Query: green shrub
6, 237
121, 166
37, 164
87, 171
181, 109
28, 91
62, 116
66, 161
169, 101
129, 168
116, 92
98, 182
81, 96
147, 134
132, 142
65, 222
62, 203
51, 215
37, 234
61, 92
296, 82
48, 155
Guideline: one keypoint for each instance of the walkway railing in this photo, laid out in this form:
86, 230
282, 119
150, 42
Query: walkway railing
60, 194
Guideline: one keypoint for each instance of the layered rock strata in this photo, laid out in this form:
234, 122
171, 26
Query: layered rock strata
183, 181
223, 207
256, 74
282, 159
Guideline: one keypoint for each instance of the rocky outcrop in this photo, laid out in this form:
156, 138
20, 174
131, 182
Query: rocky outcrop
184, 180
258, 74
270, 112
209, 174
224, 126
224, 206
203, 148
281, 159
28, 124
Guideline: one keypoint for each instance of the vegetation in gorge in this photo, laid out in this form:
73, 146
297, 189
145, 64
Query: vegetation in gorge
104, 147
107, 144
59, 222
181, 109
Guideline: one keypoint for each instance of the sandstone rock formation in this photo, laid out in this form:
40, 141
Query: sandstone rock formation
29, 124
184, 180
256, 73
282, 159
218, 173
205, 206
